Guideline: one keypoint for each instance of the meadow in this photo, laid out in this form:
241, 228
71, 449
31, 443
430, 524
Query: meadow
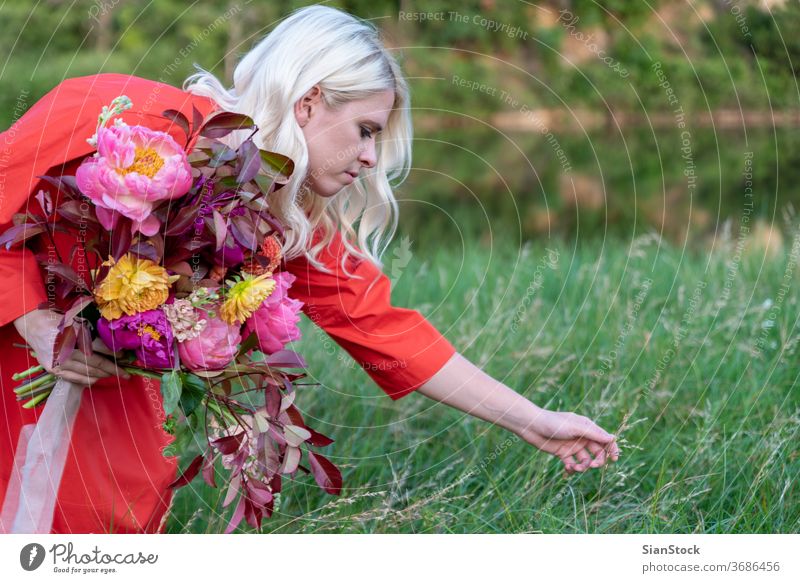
688, 356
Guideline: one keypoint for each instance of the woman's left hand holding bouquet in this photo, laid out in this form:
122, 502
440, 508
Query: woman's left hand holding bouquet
39, 329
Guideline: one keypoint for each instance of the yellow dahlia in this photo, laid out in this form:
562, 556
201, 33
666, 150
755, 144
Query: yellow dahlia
245, 296
132, 285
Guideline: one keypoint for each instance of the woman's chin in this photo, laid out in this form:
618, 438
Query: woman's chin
327, 188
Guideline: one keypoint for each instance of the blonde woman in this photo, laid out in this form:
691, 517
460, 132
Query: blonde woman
323, 90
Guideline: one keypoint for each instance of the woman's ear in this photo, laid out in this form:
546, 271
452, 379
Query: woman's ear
307, 105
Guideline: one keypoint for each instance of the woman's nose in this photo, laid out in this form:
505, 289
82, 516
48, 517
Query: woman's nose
368, 157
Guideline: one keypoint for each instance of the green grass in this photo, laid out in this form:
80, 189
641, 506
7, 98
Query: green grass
708, 435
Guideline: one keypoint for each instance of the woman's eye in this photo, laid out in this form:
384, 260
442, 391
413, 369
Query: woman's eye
366, 132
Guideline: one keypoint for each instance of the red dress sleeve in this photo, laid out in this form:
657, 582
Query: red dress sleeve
397, 347
53, 131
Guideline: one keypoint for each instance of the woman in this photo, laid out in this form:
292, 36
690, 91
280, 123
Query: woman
323, 90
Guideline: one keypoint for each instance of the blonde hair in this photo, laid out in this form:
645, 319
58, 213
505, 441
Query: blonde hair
323, 46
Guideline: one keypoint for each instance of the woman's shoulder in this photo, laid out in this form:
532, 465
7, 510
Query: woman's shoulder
147, 95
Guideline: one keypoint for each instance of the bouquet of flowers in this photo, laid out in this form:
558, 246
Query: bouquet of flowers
187, 288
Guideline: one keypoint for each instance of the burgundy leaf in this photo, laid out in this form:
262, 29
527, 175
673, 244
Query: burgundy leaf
182, 222
220, 155
121, 237
19, 233
64, 289
221, 124
272, 401
291, 460
252, 514
249, 343
325, 473
45, 201
76, 211
66, 273
84, 338
268, 455
243, 232
208, 470
258, 492
188, 474
277, 436
319, 439
197, 118
220, 229
178, 119
295, 416
181, 268
275, 484
286, 358
233, 490
76, 308
196, 244
65, 184
273, 222
228, 444
145, 251
276, 165
237, 516
157, 241
250, 162
64, 345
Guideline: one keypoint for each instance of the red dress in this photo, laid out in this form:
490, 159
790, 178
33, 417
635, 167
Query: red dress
115, 476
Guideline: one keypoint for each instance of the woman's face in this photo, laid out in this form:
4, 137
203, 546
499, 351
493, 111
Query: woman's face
340, 141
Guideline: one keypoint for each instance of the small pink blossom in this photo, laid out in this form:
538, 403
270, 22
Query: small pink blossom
275, 321
214, 349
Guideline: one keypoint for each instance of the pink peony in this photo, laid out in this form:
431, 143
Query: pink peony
275, 321
214, 349
134, 168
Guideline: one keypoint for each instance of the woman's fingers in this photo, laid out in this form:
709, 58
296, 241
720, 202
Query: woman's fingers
590, 430
599, 454
569, 464
105, 365
584, 459
79, 378
613, 450
79, 372
92, 365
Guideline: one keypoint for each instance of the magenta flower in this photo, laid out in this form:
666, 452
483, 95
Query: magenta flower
214, 349
147, 333
134, 168
275, 321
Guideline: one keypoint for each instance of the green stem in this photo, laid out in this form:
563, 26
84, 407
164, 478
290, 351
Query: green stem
141, 372
36, 400
44, 379
37, 391
26, 373
212, 404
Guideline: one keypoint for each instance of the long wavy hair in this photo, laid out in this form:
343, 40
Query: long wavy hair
345, 56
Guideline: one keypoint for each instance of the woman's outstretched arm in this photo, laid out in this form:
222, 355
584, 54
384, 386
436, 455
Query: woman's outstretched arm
576, 440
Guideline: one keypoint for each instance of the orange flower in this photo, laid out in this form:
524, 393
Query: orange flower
271, 251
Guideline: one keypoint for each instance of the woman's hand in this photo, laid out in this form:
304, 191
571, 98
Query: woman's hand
39, 329
576, 440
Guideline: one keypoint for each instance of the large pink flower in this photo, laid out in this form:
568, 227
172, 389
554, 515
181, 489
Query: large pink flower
275, 321
214, 349
134, 168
